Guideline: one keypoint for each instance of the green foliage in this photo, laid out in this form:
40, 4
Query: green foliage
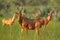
10, 6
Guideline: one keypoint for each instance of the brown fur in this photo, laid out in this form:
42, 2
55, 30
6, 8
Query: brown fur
31, 24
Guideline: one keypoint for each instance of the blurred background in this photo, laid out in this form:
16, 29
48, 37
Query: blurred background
8, 7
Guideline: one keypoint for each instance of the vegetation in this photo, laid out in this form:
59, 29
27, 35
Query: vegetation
13, 32
8, 7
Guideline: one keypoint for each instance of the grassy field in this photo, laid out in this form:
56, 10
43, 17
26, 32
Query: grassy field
52, 32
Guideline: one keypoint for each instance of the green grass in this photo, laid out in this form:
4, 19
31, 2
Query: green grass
52, 32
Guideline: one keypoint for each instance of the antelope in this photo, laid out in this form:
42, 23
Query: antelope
8, 21
48, 18
29, 24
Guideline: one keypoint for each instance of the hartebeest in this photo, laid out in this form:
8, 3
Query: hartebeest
31, 24
8, 21
48, 18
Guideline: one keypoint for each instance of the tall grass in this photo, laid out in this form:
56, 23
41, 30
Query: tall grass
52, 32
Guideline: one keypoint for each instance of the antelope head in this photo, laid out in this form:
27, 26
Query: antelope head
50, 12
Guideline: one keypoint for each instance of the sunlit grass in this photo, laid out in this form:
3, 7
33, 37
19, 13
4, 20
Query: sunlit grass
52, 32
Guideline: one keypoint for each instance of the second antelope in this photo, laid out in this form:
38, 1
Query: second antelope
48, 18
8, 21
